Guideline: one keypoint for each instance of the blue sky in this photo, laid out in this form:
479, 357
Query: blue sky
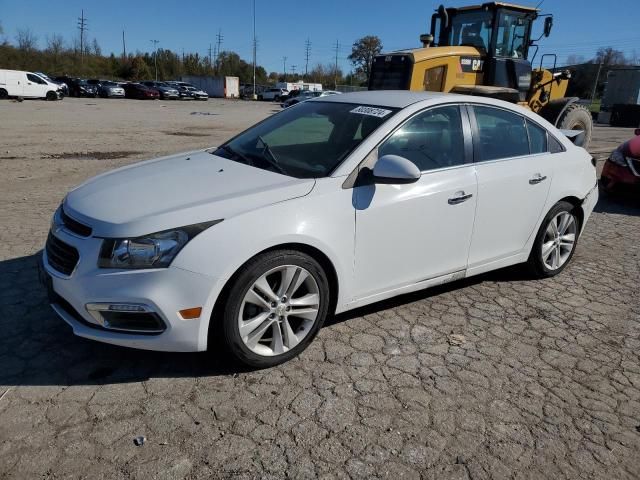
581, 26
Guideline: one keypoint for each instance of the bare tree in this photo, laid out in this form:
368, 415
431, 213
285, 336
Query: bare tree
610, 56
55, 44
574, 59
27, 40
95, 48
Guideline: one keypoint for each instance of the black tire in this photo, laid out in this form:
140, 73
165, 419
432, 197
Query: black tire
260, 98
577, 117
227, 327
51, 96
535, 264
3, 94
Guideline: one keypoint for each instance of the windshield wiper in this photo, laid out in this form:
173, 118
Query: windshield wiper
236, 154
273, 160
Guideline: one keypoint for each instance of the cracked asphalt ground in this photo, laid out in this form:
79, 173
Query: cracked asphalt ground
497, 376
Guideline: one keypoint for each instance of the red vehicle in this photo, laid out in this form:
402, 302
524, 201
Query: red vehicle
622, 168
139, 91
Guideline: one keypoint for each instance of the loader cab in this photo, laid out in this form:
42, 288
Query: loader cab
501, 32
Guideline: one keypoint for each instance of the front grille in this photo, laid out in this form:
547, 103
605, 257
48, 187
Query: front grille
61, 257
74, 226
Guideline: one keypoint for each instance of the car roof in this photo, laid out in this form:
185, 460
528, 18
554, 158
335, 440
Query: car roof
389, 98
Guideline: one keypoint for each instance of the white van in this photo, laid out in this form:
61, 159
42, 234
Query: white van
15, 83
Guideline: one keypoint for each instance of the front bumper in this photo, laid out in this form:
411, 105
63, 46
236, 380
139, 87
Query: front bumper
166, 291
614, 175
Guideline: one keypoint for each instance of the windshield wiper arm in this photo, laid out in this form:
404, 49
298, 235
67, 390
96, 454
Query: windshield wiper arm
234, 153
273, 160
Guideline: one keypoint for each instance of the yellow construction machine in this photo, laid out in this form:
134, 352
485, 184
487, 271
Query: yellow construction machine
483, 50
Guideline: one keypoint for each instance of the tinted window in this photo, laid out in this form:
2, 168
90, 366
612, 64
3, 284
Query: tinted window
307, 140
537, 138
35, 79
432, 139
502, 134
554, 145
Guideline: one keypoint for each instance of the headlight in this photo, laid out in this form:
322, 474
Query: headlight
618, 158
156, 250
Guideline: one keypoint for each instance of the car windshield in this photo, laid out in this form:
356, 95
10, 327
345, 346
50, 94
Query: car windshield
308, 140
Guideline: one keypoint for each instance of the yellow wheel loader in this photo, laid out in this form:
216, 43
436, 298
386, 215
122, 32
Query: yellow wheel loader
483, 50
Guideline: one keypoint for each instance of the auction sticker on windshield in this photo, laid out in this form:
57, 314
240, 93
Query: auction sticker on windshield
372, 111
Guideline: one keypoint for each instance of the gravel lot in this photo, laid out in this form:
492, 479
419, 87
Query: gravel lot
497, 376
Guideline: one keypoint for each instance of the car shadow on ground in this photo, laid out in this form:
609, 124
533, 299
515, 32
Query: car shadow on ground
38, 348
620, 203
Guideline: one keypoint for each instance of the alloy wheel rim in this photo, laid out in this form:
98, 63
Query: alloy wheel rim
559, 240
279, 310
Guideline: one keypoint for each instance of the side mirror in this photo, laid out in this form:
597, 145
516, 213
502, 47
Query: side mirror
395, 170
548, 23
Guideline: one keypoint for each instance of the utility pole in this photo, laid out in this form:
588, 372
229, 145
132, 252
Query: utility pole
124, 47
255, 44
293, 71
335, 81
210, 64
307, 53
155, 55
219, 39
82, 26
595, 84
284, 69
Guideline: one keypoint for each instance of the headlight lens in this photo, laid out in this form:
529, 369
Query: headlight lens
156, 250
618, 158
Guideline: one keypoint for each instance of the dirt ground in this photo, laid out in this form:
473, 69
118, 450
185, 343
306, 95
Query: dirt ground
497, 376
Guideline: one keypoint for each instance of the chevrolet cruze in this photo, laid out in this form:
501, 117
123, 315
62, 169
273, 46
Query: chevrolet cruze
332, 204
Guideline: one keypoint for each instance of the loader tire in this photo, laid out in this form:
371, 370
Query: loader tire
577, 117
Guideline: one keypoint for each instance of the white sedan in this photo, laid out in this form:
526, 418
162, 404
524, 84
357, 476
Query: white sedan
337, 203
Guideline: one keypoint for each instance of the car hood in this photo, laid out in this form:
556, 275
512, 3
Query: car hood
176, 191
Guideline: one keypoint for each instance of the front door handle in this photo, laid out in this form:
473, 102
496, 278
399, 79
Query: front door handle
537, 178
459, 198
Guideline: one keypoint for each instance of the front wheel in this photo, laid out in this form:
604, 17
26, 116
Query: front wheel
555, 242
51, 96
275, 307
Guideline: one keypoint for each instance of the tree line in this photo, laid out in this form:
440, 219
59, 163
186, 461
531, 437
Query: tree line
57, 57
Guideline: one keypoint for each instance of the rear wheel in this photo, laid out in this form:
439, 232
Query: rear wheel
275, 307
577, 117
555, 242
3, 93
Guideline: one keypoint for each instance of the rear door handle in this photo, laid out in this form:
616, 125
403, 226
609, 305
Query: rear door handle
459, 198
537, 178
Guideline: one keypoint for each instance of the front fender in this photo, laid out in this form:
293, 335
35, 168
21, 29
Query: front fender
324, 220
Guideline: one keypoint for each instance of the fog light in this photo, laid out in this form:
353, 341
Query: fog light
126, 317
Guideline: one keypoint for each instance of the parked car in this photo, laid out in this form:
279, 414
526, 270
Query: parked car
109, 89
17, 83
78, 87
378, 194
141, 92
305, 95
196, 93
167, 92
622, 168
183, 93
273, 94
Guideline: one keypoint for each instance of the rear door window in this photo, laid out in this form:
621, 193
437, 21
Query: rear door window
537, 138
501, 134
